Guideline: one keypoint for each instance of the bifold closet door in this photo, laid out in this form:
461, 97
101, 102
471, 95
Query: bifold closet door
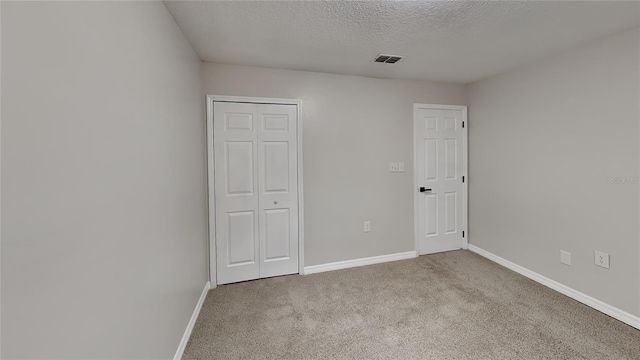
278, 188
236, 191
256, 191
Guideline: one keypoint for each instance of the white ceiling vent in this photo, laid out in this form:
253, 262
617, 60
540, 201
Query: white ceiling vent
387, 59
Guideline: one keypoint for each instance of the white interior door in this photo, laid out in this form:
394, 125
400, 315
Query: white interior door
440, 195
256, 202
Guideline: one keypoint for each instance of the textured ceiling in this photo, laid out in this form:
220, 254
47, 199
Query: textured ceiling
456, 41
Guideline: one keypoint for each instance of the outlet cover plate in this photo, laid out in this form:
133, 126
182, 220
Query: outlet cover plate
601, 259
367, 226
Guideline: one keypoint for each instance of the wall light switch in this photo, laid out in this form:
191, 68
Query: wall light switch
400, 167
393, 167
602, 259
565, 257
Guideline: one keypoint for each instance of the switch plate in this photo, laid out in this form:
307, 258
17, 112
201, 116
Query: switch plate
565, 257
393, 167
367, 226
601, 259
400, 167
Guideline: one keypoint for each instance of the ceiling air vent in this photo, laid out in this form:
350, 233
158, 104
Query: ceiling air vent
387, 59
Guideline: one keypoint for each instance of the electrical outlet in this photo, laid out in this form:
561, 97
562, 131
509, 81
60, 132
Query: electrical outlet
602, 259
393, 167
367, 226
400, 167
565, 257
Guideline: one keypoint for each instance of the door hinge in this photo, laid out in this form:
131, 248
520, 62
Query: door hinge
463, 124
463, 233
463, 178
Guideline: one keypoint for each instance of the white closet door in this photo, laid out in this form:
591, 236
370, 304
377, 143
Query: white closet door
256, 190
278, 188
236, 191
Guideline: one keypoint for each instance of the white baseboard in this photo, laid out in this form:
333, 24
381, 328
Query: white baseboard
192, 322
603, 307
358, 262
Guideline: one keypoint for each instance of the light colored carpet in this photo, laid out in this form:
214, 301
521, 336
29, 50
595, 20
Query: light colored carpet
453, 305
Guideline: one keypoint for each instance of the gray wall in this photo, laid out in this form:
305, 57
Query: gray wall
353, 127
104, 251
544, 141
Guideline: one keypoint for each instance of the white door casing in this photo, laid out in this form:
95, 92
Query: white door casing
256, 190
440, 172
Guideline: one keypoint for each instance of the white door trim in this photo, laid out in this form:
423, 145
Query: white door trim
211, 168
465, 186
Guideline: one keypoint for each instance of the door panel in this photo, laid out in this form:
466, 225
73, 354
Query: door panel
275, 122
277, 234
256, 191
238, 121
276, 166
236, 197
450, 159
439, 159
431, 214
239, 167
241, 238
451, 212
431, 159
278, 189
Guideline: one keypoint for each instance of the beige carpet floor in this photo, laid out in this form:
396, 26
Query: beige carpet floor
454, 305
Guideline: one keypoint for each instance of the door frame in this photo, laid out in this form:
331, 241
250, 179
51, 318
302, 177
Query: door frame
211, 173
465, 172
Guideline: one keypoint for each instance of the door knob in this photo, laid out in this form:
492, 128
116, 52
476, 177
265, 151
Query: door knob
276, 202
423, 189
